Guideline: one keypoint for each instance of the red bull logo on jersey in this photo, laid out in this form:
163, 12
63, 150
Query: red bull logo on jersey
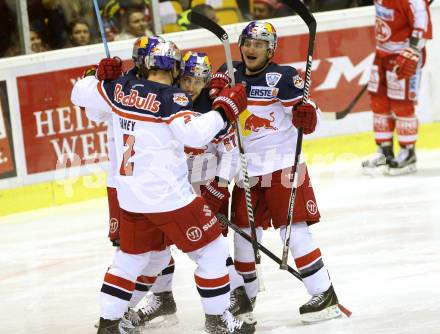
254, 123
263, 92
181, 99
133, 99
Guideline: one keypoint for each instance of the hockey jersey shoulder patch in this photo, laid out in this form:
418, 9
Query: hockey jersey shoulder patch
180, 99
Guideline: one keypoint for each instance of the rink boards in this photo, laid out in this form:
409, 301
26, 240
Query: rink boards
39, 125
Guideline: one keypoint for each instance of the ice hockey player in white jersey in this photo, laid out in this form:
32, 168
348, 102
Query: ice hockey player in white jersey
269, 129
152, 121
210, 168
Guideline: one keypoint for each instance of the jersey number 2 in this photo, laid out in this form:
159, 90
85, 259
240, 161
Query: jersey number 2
127, 167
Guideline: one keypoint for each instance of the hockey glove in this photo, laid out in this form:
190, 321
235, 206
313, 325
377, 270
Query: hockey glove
304, 116
406, 63
231, 102
218, 81
109, 69
215, 196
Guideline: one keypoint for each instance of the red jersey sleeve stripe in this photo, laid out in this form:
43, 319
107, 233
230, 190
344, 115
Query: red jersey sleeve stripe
308, 258
211, 282
119, 281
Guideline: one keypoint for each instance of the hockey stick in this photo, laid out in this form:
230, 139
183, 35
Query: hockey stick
266, 251
341, 114
222, 35
269, 254
101, 28
308, 18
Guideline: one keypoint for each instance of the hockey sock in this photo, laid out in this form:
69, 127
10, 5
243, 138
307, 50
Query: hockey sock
164, 281
308, 259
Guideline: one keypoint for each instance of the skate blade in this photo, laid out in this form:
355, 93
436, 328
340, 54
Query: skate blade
247, 318
161, 321
401, 171
330, 312
374, 170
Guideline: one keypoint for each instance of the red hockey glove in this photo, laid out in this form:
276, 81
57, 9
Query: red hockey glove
109, 68
215, 196
304, 116
406, 63
231, 102
218, 81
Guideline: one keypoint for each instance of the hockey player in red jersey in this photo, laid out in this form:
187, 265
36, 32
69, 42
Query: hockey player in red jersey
269, 131
152, 121
402, 28
210, 168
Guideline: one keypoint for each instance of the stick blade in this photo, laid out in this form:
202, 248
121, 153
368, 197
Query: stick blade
203, 22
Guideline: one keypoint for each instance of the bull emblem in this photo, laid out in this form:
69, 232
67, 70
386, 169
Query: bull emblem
254, 123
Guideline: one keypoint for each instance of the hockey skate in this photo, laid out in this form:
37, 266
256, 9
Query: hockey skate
382, 158
119, 326
227, 324
405, 163
160, 311
323, 306
241, 306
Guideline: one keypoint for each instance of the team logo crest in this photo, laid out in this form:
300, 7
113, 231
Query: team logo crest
298, 82
272, 78
114, 225
194, 234
181, 99
312, 208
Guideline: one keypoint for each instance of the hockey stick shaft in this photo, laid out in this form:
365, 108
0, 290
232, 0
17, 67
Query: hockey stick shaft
101, 28
263, 249
221, 34
310, 21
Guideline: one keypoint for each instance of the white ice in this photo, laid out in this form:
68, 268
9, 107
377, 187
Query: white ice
380, 238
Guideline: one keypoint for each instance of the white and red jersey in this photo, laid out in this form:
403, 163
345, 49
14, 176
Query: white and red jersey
397, 21
217, 158
151, 122
269, 138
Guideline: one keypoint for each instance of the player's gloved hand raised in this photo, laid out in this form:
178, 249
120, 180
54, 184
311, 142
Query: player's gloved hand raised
218, 81
231, 102
109, 68
215, 196
406, 63
304, 116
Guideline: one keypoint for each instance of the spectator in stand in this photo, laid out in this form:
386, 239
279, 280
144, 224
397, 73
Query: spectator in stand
204, 9
37, 42
325, 5
9, 45
134, 24
81, 9
269, 9
79, 33
49, 15
114, 10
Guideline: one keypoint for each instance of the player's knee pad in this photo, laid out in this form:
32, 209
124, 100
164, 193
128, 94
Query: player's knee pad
213, 255
300, 234
380, 104
129, 266
158, 261
243, 250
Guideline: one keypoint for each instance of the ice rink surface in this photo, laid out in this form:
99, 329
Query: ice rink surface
380, 239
